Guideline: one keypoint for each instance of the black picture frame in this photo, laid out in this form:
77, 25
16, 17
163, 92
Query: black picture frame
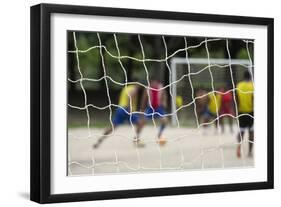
40, 176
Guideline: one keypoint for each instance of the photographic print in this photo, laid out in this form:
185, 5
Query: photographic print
132, 103
151, 103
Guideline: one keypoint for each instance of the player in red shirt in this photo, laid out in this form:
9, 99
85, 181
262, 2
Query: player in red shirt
154, 104
226, 108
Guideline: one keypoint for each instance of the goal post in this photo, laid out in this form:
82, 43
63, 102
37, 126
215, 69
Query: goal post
176, 62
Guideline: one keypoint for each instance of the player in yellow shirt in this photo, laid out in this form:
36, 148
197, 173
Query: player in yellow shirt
245, 100
201, 103
214, 103
127, 104
212, 108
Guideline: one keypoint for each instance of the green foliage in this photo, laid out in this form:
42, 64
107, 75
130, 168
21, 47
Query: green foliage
128, 44
242, 54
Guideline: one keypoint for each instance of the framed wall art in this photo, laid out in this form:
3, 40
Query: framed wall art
133, 103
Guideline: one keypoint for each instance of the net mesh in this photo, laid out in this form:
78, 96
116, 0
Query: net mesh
185, 75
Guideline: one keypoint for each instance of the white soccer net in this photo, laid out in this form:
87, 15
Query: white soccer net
186, 148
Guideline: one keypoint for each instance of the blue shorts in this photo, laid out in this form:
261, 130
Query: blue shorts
121, 115
207, 114
158, 112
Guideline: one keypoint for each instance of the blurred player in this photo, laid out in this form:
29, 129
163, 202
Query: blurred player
201, 103
213, 108
128, 94
245, 101
158, 101
226, 108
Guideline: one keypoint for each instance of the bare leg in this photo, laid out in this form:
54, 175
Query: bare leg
205, 120
240, 138
205, 126
139, 126
251, 143
230, 121
216, 125
161, 140
164, 122
101, 139
222, 124
108, 131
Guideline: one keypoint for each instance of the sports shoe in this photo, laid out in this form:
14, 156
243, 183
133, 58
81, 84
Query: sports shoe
138, 142
162, 141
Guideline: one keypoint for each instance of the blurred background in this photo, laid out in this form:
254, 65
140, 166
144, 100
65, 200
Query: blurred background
154, 48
